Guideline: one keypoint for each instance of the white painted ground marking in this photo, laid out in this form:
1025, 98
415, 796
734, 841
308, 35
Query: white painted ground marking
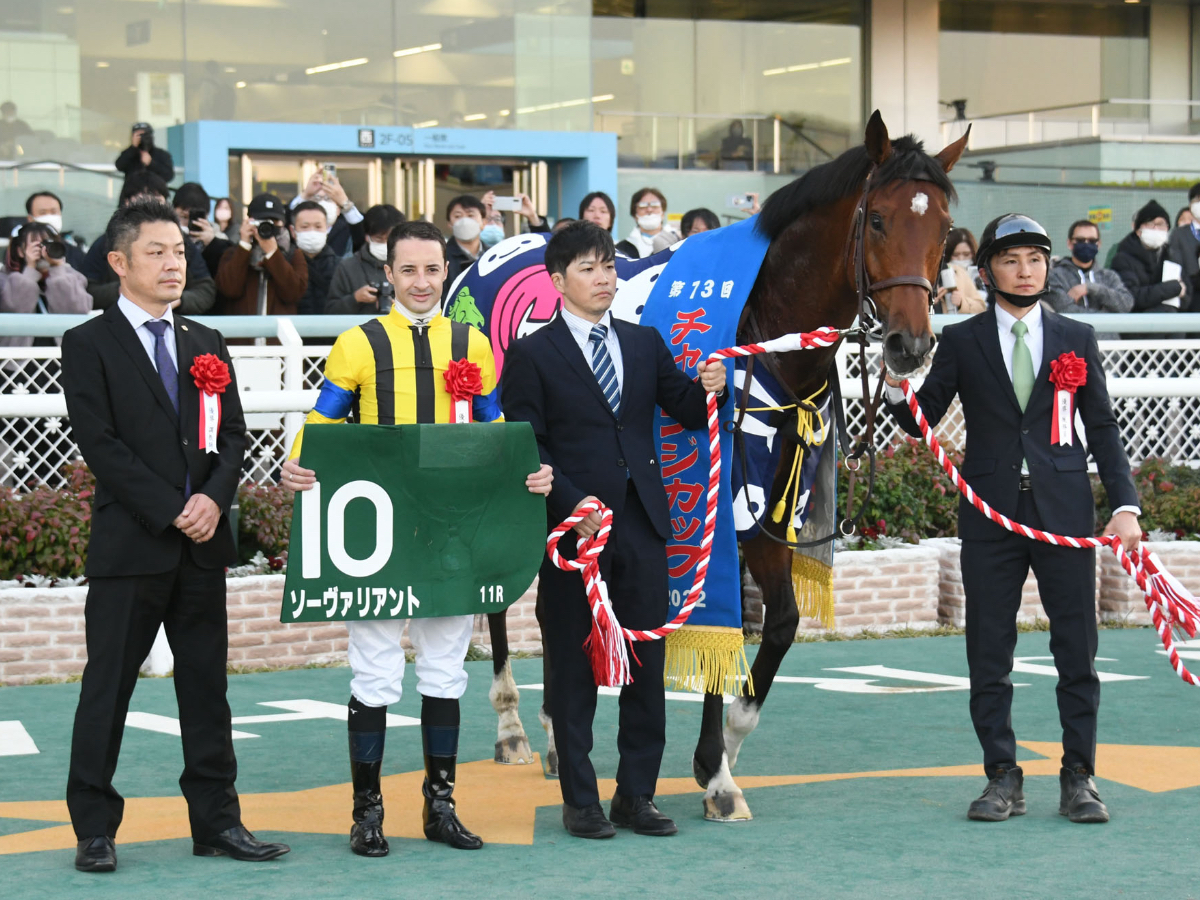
1026, 665
616, 692
15, 740
297, 711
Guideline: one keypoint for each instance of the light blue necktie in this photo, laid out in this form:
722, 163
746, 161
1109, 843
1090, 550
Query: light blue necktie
602, 366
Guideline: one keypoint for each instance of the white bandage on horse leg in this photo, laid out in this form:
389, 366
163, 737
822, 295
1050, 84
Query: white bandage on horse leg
740, 720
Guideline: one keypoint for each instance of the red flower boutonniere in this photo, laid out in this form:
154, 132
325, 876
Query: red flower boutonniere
1068, 373
211, 376
463, 382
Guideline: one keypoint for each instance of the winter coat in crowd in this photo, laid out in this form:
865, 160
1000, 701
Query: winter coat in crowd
1105, 291
352, 273
1184, 248
63, 290
1140, 270
250, 283
161, 163
321, 269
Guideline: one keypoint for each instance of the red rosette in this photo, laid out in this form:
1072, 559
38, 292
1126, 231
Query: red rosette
463, 380
1068, 372
210, 373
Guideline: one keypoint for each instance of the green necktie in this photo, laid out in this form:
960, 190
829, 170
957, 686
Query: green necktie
1022, 365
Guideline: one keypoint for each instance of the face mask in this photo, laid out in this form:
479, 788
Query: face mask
377, 250
331, 211
1085, 251
1152, 238
651, 222
491, 235
54, 222
466, 229
312, 242
222, 216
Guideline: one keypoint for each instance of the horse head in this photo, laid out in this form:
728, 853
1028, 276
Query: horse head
902, 222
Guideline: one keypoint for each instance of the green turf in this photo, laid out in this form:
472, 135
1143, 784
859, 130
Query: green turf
899, 837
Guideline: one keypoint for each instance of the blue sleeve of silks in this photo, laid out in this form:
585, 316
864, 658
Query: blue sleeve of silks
486, 407
334, 402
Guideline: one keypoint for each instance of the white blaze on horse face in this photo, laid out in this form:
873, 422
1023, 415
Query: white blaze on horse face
920, 203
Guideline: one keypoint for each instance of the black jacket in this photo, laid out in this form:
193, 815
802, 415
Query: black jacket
161, 163
140, 451
1183, 248
349, 275
548, 383
320, 273
458, 260
1141, 271
969, 364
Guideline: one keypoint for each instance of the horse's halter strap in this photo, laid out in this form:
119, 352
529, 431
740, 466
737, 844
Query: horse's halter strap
868, 312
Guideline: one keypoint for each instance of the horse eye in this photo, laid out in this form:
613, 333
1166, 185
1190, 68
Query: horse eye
877, 221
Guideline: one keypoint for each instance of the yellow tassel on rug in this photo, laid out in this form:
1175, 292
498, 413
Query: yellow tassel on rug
812, 581
707, 658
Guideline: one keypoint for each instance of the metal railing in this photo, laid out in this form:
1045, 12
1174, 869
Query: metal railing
1155, 385
1126, 118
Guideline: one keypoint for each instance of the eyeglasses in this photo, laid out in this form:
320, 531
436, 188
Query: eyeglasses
646, 207
1086, 240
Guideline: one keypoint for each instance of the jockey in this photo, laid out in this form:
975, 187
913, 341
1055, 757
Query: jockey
393, 366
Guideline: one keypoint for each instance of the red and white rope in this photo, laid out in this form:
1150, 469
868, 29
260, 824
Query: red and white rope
606, 644
1169, 602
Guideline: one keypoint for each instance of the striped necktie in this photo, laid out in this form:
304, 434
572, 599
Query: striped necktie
602, 366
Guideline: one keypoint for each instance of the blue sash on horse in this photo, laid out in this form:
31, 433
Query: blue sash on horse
696, 303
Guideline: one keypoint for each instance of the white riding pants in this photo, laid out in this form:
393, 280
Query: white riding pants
377, 659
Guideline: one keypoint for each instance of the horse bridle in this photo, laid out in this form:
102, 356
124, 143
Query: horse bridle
869, 327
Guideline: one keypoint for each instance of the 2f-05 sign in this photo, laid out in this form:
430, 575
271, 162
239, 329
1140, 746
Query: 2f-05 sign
412, 521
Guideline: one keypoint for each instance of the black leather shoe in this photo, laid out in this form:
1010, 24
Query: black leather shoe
96, 854
1004, 796
1080, 801
239, 843
640, 814
587, 822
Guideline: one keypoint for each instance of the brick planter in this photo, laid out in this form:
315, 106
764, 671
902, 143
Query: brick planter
42, 630
952, 603
882, 589
1120, 597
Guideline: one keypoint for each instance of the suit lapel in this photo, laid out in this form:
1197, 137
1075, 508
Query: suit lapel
1052, 345
628, 355
988, 336
185, 352
125, 336
564, 342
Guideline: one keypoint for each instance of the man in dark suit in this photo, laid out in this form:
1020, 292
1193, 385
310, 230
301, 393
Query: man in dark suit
989, 362
160, 536
589, 385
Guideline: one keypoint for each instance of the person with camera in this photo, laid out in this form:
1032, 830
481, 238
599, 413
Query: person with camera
46, 207
143, 155
191, 205
360, 285
345, 221
310, 232
262, 274
199, 293
38, 279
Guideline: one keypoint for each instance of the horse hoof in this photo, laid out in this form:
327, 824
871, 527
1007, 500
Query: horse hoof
726, 807
700, 773
550, 764
514, 751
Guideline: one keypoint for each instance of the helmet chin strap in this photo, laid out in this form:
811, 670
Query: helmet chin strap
1021, 300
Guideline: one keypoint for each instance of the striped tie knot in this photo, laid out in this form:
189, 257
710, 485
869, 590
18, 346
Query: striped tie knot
602, 366
599, 333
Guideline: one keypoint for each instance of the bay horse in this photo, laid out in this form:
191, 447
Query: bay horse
863, 233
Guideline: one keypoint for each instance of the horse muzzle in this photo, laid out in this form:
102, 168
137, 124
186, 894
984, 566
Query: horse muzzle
905, 352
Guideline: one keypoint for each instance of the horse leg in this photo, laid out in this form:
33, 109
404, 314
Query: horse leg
550, 761
512, 745
723, 799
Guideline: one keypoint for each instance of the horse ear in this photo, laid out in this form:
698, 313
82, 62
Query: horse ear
879, 145
951, 152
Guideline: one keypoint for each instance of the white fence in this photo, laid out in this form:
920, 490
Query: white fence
1155, 384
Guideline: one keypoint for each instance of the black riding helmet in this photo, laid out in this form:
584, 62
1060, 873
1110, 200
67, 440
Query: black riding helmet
1003, 233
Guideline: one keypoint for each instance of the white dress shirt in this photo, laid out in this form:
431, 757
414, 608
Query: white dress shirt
138, 318
1033, 337
581, 330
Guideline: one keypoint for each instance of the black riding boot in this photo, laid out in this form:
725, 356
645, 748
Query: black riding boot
366, 758
439, 737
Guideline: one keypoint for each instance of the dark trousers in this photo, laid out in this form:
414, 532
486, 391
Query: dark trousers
993, 573
634, 565
122, 616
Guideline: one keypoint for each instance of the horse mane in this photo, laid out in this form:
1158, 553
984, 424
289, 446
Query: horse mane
843, 177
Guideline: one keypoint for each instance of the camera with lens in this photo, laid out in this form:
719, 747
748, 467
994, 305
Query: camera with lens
147, 131
267, 229
194, 215
54, 249
383, 292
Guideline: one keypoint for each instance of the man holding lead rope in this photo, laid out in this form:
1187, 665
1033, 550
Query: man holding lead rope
1021, 373
589, 385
